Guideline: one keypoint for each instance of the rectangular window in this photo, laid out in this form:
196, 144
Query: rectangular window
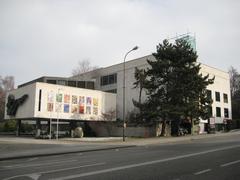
90, 85
225, 98
51, 81
209, 94
217, 96
109, 79
210, 111
39, 100
218, 111
81, 84
104, 80
72, 83
62, 82
112, 91
226, 114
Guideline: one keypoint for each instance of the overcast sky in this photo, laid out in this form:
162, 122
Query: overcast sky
49, 37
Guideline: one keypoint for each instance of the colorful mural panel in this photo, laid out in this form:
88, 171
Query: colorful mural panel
66, 98
89, 101
88, 110
66, 108
49, 107
50, 98
58, 107
95, 101
81, 99
74, 109
74, 100
95, 110
59, 97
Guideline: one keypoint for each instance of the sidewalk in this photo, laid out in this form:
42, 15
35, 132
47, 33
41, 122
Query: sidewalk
24, 147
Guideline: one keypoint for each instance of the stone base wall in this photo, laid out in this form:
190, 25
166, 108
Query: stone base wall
106, 129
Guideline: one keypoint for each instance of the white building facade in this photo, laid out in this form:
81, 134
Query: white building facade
50, 101
110, 79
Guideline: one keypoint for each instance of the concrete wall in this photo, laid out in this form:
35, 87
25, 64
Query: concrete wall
27, 109
113, 130
56, 108
222, 85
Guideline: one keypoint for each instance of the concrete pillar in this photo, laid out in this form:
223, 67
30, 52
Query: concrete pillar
18, 127
38, 128
48, 127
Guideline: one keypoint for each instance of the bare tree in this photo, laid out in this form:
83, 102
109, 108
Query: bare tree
83, 66
6, 84
234, 80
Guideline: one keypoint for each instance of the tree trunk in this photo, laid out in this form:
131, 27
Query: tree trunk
140, 103
163, 128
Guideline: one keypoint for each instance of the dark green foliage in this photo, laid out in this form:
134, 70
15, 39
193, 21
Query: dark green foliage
140, 76
175, 88
8, 126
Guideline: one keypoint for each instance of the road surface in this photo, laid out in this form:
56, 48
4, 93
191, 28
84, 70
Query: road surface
209, 159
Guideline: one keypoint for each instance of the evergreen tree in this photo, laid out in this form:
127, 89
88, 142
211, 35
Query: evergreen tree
140, 76
176, 89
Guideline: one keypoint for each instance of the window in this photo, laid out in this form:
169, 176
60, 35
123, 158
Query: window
226, 114
112, 91
104, 80
72, 83
90, 85
62, 82
39, 100
217, 96
209, 94
218, 111
51, 81
225, 98
81, 84
210, 111
109, 79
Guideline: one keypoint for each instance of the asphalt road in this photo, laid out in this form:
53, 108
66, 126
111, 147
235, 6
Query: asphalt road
208, 159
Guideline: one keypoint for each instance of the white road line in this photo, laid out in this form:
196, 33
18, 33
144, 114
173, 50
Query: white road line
230, 163
32, 159
40, 164
202, 172
53, 171
144, 163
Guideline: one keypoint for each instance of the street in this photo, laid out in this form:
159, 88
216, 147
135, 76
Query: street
214, 158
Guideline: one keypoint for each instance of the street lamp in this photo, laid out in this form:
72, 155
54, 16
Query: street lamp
124, 123
59, 89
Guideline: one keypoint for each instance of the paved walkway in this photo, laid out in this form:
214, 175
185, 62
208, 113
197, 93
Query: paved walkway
22, 147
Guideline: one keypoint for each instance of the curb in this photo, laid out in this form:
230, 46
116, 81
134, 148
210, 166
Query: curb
61, 153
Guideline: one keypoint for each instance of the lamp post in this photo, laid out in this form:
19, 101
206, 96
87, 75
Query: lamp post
58, 115
124, 122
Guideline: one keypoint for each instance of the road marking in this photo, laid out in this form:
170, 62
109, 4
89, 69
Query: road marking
32, 159
34, 176
40, 164
202, 172
230, 163
53, 171
144, 163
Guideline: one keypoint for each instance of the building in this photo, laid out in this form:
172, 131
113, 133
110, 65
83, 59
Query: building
56, 104
110, 79
89, 95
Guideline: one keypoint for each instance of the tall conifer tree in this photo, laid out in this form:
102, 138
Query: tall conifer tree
176, 89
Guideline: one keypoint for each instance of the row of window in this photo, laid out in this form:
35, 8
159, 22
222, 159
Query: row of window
218, 96
218, 112
109, 79
72, 83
